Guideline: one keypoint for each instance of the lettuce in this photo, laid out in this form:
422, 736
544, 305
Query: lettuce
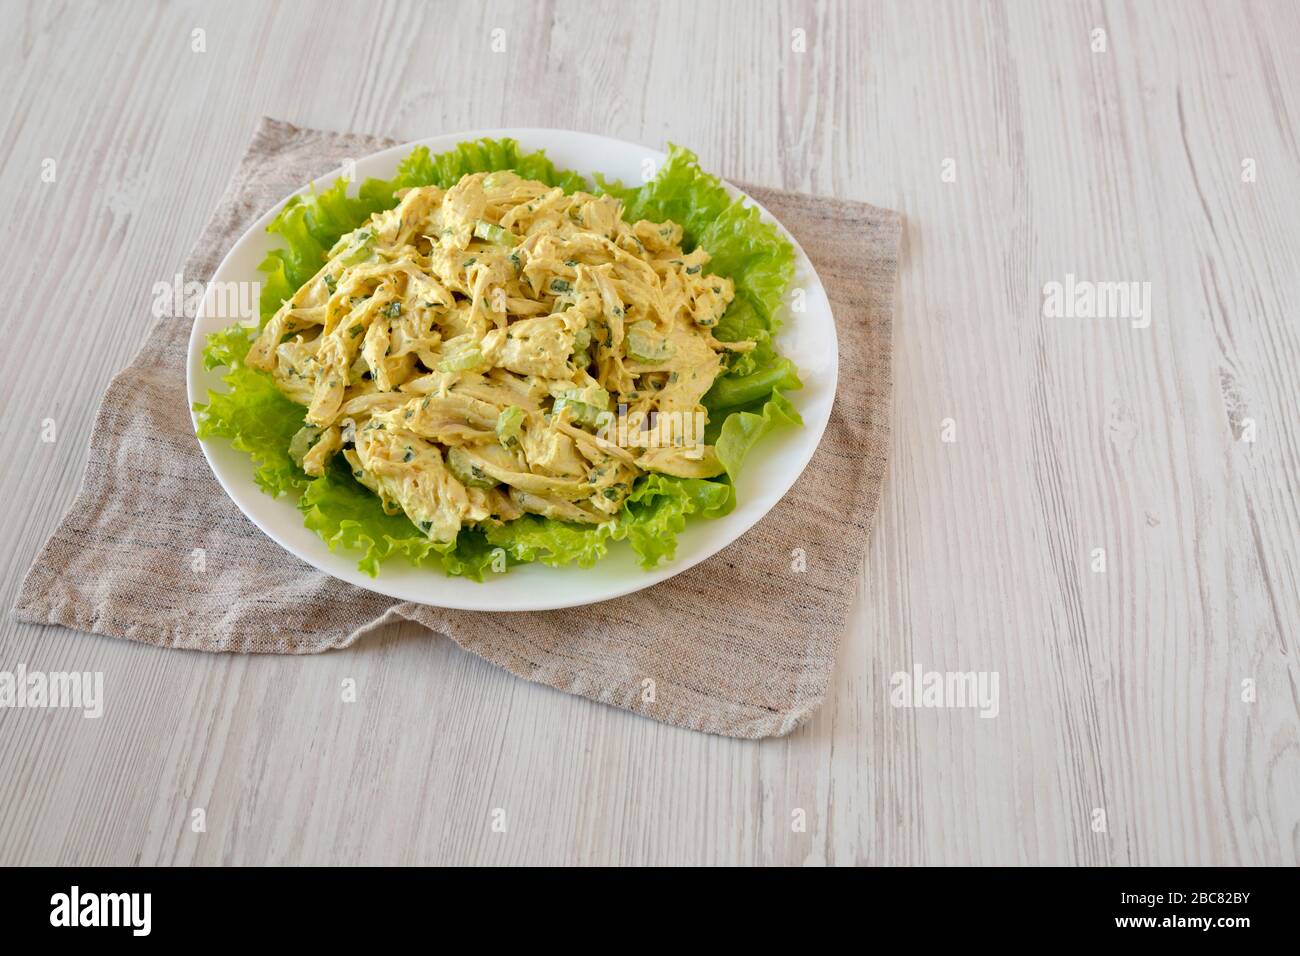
657, 509
252, 414
348, 515
741, 430
745, 403
533, 538
651, 518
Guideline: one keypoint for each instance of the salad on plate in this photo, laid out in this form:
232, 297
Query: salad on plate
486, 361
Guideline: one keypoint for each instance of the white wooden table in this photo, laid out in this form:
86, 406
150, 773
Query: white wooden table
1020, 154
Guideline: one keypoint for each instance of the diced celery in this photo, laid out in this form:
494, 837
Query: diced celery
510, 425
645, 346
461, 361
493, 233
466, 471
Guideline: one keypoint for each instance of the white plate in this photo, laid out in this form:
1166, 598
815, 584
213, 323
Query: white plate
771, 468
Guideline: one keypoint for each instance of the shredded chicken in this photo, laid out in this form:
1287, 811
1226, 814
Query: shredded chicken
500, 348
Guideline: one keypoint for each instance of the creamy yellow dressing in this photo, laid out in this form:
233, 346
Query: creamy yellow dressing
466, 351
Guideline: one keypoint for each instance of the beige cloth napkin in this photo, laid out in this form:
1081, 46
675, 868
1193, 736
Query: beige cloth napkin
742, 644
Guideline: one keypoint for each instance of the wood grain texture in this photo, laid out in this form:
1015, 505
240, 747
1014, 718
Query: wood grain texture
1120, 691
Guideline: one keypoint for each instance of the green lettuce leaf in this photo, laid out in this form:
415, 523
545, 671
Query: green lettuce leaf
735, 391
657, 509
348, 515
742, 429
650, 521
533, 538
474, 556
252, 413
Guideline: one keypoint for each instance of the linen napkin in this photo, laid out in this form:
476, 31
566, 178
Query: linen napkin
742, 644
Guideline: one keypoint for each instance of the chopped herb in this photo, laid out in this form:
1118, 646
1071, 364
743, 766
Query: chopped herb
393, 309
409, 454
692, 270
561, 285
